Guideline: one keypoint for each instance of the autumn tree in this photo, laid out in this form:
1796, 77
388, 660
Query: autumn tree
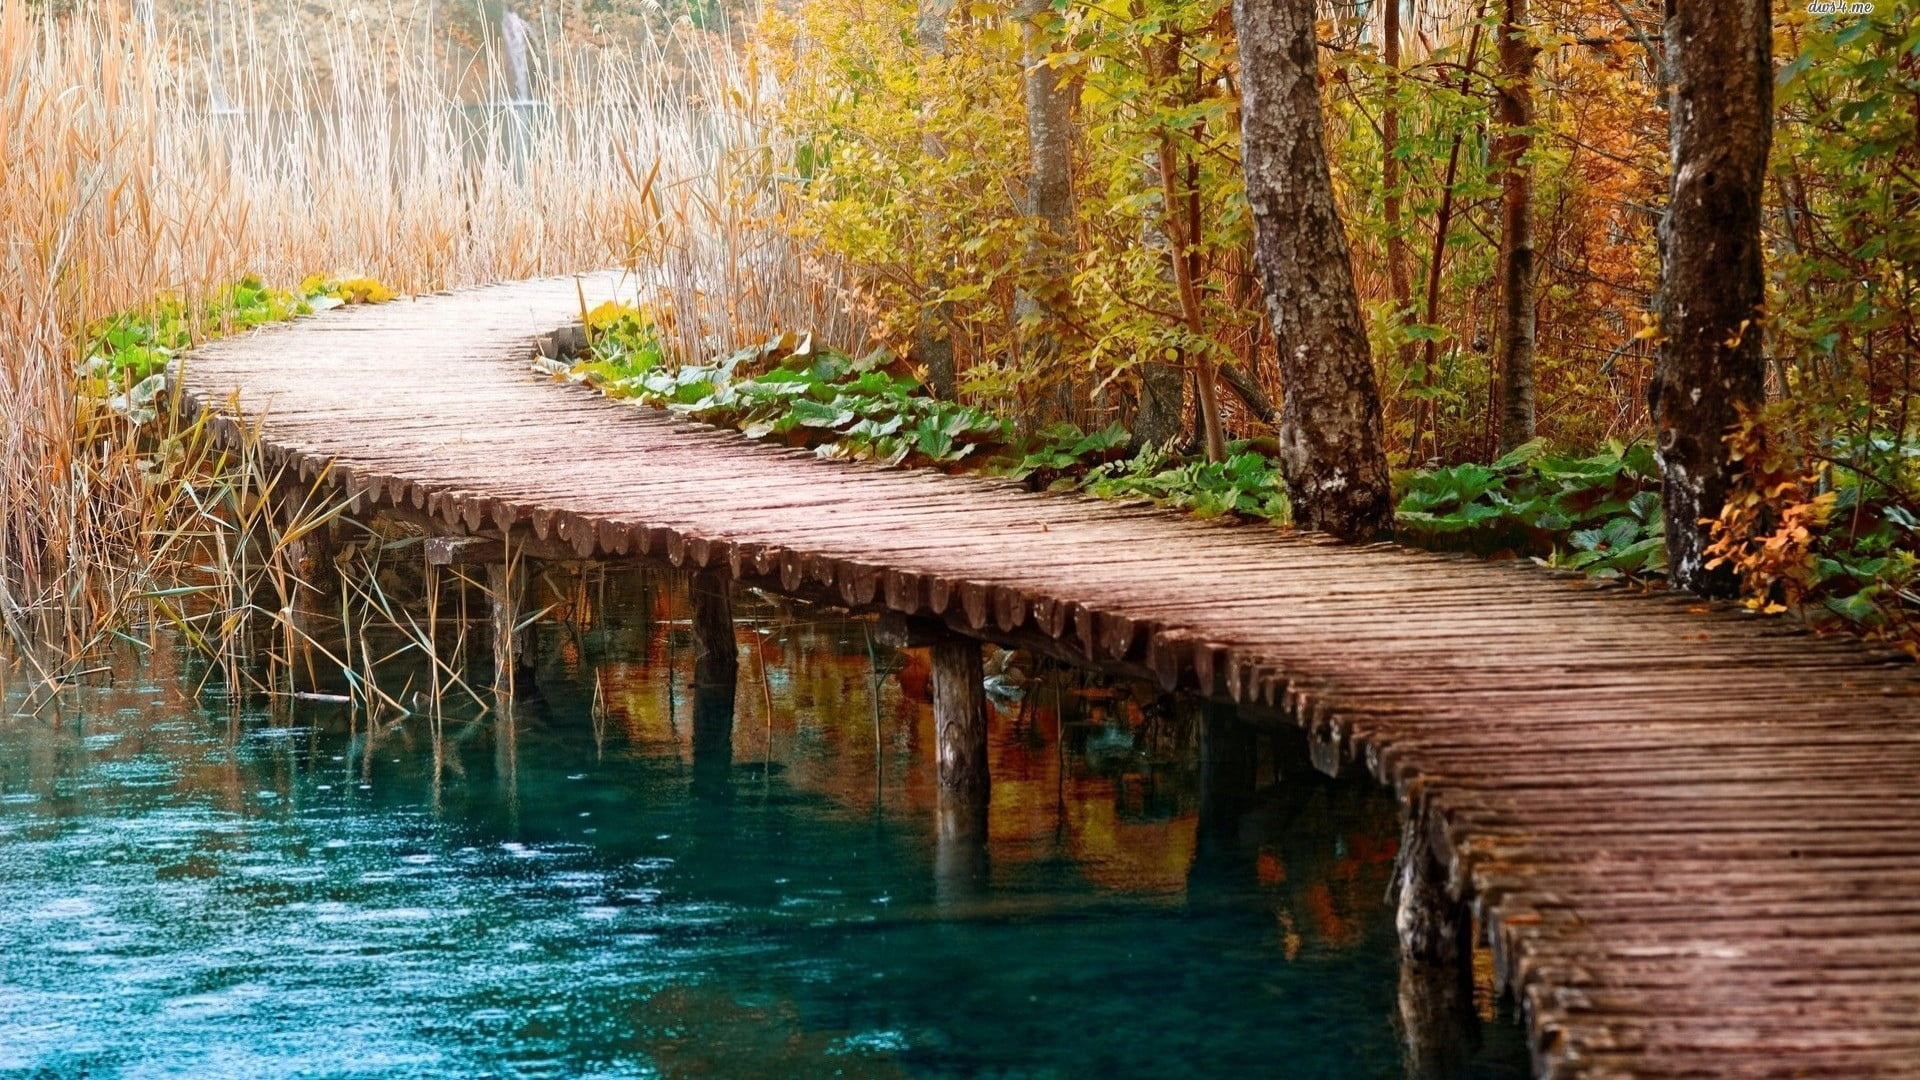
1049, 100
933, 344
1330, 442
1712, 292
1516, 227
1399, 277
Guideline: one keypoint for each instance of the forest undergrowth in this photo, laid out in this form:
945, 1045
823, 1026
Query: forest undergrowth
148, 169
1839, 556
862, 184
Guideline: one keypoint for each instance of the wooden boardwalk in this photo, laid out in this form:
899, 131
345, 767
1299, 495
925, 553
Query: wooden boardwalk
1693, 836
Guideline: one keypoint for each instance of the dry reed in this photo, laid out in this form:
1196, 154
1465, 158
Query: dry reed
133, 168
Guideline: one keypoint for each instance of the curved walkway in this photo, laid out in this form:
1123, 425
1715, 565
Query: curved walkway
1693, 837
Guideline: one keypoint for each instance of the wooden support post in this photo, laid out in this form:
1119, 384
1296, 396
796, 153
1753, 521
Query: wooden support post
1436, 947
713, 740
308, 592
1228, 778
1433, 925
1292, 758
716, 652
1228, 773
960, 865
959, 701
1438, 1026
960, 716
304, 534
506, 595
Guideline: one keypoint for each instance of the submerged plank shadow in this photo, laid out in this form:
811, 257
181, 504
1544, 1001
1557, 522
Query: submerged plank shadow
1693, 836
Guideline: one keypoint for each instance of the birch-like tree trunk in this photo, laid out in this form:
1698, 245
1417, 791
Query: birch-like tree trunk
1515, 107
1163, 387
932, 333
1330, 451
1049, 188
1712, 293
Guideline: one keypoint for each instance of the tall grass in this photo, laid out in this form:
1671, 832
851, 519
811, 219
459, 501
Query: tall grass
135, 167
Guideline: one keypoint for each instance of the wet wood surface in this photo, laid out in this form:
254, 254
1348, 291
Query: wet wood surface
1692, 836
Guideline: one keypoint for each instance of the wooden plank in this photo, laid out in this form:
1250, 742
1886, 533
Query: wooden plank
1691, 834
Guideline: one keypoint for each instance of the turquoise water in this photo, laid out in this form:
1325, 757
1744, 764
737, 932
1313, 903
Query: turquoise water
595, 887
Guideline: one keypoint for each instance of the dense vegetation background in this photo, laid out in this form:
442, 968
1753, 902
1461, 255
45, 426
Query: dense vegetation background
1029, 218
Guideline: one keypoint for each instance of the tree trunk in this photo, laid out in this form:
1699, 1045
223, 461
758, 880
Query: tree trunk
1186, 237
1049, 191
1399, 273
932, 335
1516, 228
1712, 292
1248, 391
1424, 413
1163, 402
1330, 452
1163, 387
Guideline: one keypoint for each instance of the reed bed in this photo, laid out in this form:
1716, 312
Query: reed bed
135, 166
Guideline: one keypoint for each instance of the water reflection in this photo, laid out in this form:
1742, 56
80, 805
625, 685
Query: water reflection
625, 874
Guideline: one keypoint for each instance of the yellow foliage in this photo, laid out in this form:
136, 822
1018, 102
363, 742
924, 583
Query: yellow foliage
1766, 532
611, 312
365, 290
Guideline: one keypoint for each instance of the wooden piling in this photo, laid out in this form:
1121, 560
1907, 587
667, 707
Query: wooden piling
1436, 954
713, 707
1433, 925
1688, 816
960, 862
1438, 1027
305, 539
512, 646
716, 652
1228, 772
960, 716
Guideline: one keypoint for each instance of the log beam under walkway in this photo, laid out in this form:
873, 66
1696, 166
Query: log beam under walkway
1689, 834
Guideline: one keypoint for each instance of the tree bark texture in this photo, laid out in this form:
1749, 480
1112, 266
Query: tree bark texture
1712, 293
1163, 403
1049, 187
933, 337
1163, 387
1433, 926
960, 716
1185, 236
1330, 451
1517, 330
1399, 272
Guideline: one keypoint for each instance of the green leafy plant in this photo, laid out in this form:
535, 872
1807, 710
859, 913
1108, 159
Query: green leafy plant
866, 408
1247, 483
127, 354
871, 408
1599, 514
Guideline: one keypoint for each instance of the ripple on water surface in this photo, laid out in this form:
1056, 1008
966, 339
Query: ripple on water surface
573, 896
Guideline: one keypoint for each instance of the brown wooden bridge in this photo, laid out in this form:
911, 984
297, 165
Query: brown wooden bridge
1692, 837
